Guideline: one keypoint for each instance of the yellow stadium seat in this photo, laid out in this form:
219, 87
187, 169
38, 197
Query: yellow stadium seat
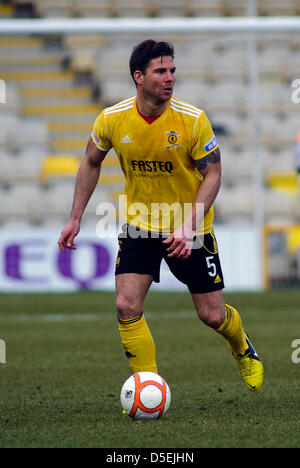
64, 127
293, 239
40, 61
69, 144
38, 76
284, 182
61, 166
56, 109
24, 42
56, 93
7, 11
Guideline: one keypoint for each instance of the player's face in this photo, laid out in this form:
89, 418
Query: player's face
159, 79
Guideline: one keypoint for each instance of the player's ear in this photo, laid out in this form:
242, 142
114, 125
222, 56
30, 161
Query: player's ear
138, 77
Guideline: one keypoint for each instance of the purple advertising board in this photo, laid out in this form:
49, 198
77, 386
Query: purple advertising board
32, 261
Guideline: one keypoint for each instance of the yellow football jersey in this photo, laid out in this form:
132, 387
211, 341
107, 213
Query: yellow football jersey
158, 161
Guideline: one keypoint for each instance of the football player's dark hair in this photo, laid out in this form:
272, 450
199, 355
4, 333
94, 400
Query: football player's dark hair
146, 51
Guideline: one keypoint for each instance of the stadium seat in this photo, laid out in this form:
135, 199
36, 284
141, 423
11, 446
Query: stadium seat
279, 265
45, 95
21, 202
284, 182
273, 63
8, 165
35, 78
235, 7
31, 133
293, 239
69, 137
59, 110
19, 223
238, 166
192, 90
271, 97
12, 44
228, 97
59, 167
100, 195
6, 11
68, 128
277, 7
230, 64
232, 123
293, 65
193, 60
278, 41
168, 8
37, 60
26, 166
69, 145
84, 42
56, 204
11, 99
279, 207
116, 89
270, 137
289, 129
53, 222
55, 8
280, 160
7, 125
94, 8
205, 8
132, 8
113, 60
235, 204
83, 62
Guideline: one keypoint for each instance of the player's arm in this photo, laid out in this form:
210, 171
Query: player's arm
210, 168
86, 181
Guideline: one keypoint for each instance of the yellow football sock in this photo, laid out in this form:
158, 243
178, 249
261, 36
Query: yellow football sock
138, 344
232, 330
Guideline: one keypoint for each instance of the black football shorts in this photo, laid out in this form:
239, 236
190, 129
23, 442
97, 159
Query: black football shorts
143, 254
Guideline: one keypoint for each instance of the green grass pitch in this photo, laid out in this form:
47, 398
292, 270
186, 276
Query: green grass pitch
65, 367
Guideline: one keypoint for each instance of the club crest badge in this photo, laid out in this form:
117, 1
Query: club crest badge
172, 139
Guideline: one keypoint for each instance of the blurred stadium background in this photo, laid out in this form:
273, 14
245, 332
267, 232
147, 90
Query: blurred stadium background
55, 86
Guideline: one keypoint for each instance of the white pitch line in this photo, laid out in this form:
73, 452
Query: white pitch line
81, 317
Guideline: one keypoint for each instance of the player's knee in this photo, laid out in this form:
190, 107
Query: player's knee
212, 317
127, 307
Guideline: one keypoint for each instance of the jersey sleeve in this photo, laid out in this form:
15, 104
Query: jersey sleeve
100, 133
203, 140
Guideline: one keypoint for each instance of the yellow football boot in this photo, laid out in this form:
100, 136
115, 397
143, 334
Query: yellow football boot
251, 368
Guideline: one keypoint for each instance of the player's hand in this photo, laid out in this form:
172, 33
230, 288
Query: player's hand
68, 235
181, 242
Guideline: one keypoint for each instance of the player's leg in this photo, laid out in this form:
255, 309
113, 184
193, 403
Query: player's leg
136, 337
227, 322
202, 273
223, 318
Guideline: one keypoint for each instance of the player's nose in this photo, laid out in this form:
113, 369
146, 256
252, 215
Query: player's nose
170, 77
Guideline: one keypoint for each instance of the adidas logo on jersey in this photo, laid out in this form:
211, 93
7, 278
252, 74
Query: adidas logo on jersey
126, 139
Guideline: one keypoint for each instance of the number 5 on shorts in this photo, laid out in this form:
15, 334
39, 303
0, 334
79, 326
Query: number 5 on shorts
211, 265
